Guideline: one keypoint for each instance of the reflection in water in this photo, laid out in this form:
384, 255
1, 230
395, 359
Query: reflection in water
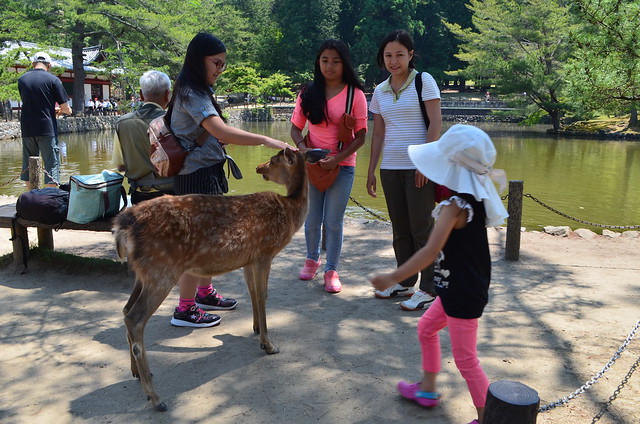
597, 181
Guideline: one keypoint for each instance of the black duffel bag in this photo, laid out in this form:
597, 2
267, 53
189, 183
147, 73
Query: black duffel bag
47, 205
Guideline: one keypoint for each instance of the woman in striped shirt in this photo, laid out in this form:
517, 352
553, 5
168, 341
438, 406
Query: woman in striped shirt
397, 124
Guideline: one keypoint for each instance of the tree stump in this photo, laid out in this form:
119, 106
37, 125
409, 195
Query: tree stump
510, 402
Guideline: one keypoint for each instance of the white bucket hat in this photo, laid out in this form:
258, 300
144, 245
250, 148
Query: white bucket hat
462, 160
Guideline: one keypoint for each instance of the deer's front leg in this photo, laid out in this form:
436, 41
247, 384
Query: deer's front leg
257, 276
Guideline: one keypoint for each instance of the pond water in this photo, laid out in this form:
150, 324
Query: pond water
592, 180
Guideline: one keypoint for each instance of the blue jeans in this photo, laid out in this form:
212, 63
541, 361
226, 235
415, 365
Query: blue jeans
48, 146
328, 209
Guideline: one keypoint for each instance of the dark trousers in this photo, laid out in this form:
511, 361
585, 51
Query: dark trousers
410, 212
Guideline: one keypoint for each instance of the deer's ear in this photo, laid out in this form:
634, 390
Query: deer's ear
290, 155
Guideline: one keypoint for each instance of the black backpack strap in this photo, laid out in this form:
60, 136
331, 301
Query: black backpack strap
349, 106
418, 80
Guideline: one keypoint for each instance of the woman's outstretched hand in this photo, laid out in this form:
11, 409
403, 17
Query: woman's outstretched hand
277, 144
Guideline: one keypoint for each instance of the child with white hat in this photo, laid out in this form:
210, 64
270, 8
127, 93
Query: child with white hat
461, 160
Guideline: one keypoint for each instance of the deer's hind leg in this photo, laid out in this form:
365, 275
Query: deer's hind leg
137, 288
149, 299
257, 278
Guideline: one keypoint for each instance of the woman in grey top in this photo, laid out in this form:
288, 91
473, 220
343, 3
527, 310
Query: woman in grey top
192, 111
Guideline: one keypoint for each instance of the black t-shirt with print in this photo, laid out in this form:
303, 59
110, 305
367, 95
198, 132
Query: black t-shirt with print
463, 267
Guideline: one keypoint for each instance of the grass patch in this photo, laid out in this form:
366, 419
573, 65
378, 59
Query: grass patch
615, 125
67, 263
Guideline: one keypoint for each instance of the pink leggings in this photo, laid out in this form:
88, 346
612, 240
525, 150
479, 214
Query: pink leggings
463, 334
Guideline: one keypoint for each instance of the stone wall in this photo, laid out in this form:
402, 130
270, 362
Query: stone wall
65, 125
454, 111
270, 113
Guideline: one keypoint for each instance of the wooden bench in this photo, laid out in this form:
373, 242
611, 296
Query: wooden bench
45, 232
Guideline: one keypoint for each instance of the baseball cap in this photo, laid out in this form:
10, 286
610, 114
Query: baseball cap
41, 57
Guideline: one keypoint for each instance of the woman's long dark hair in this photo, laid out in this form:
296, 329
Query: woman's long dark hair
313, 97
192, 79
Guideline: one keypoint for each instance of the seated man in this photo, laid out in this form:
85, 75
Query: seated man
89, 106
131, 145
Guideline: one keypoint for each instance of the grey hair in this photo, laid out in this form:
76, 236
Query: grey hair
154, 84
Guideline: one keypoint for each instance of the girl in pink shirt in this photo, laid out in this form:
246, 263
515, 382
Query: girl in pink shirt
320, 106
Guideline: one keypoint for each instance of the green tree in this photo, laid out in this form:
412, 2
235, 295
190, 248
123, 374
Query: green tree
605, 70
437, 46
240, 79
277, 85
304, 26
522, 47
376, 19
257, 40
136, 35
8, 80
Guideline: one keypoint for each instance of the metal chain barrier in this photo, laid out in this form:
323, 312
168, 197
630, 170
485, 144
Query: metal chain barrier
381, 218
616, 392
40, 169
595, 378
10, 181
620, 227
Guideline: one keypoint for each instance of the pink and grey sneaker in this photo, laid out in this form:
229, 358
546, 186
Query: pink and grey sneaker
309, 270
412, 392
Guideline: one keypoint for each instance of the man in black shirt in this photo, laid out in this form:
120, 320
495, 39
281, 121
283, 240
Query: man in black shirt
40, 92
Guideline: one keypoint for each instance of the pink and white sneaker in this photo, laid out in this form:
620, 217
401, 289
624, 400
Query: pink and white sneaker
309, 270
412, 392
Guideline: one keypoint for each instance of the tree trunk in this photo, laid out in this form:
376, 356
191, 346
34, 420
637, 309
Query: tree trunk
554, 115
79, 73
633, 119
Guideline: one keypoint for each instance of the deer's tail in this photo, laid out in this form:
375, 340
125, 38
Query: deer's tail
122, 232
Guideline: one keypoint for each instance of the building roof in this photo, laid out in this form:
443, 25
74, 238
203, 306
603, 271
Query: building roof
60, 56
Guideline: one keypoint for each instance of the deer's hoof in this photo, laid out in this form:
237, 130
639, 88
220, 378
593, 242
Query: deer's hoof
270, 350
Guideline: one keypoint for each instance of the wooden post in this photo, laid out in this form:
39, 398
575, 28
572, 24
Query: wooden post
35, 175
45, 235
45, 238
510, 402
514, 207
20, 240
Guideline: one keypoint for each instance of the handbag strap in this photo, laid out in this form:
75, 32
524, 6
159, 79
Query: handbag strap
349, 105
423, 109
347, 109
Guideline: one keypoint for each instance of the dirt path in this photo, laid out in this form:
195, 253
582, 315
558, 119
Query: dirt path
555, 318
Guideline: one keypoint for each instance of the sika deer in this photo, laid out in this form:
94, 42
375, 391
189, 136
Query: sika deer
208, 235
